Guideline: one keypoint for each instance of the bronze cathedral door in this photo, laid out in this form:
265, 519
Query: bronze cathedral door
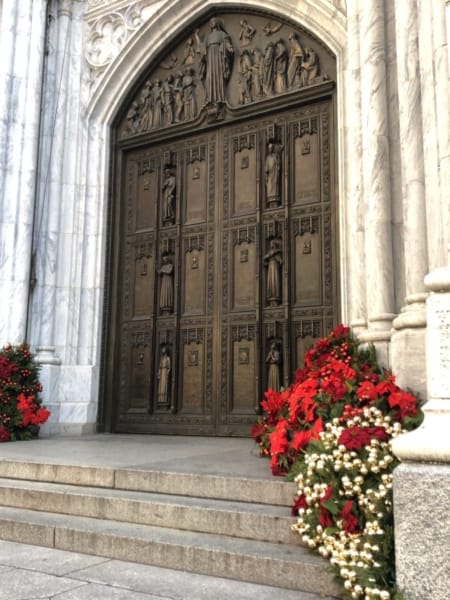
223, 246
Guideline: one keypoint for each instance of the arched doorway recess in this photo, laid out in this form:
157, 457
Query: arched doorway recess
223, 243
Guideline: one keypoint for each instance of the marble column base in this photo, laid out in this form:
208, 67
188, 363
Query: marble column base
422, 530
71, 394
408, 359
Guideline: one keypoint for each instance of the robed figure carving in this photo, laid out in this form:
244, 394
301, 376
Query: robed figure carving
166, 291
163, 375
272, 170
216, 62
273, 259
273, 359
169, 189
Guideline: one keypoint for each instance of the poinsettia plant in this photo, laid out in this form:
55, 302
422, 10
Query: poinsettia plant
21, 410
331, 431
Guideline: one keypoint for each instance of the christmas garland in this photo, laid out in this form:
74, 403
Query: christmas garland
331, 432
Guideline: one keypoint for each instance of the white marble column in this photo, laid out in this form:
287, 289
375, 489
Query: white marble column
376, 176
408, 341
22, 54
51, 193
353, 208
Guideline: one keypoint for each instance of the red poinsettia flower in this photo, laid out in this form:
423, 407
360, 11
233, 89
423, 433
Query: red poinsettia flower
6, 368
299, 502
5, 436
379, 433
279, 442
317, 429
354, 438
367, 391
276, 468
350, 522
388, 385
300, 440
257, 431
340, 331
325, 518
405, 402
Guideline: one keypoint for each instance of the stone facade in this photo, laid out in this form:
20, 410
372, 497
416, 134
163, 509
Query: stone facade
66, 68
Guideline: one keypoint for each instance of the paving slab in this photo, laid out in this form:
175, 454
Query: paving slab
101, 579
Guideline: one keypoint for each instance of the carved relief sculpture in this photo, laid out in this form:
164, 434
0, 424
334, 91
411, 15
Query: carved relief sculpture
245, 78
295, 60
273, 259
163, 375
272, 170
257, 73
247, 33
310, 67
167, 100
268, 69
156, 104
277, 66
280, 63
216, 61
189, 52
166, 291
146, 117
190, 103
169, 190
133, 118
273, 359
178, 97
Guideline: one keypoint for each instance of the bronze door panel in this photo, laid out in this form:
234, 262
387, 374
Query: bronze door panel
226, 270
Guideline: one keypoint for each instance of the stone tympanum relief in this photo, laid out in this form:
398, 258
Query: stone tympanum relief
228, 62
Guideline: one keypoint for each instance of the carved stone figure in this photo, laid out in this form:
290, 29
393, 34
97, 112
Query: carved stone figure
190, 103
273, 359
281, 61
168, 188
245, 77
145, 107
133, 118
156, 104
247, 33
268, 69
272, 174
295, 60
189, 52
273, 259
163, 375
166, 292
257, 73
216, 62
310, 67
167, 100
178, 96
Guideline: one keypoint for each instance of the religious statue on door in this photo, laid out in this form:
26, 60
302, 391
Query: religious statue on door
168, 189
166, 290
163, 376
273, 360
273, 260
272, 169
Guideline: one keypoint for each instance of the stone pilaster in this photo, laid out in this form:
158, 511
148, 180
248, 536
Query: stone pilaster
22, 41
376, 177
408, 340
354, 207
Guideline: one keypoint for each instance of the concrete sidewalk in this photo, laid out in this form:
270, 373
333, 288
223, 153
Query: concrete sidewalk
32, 573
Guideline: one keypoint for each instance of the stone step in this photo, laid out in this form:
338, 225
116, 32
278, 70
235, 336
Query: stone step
239, 519
227, 487
286, 566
